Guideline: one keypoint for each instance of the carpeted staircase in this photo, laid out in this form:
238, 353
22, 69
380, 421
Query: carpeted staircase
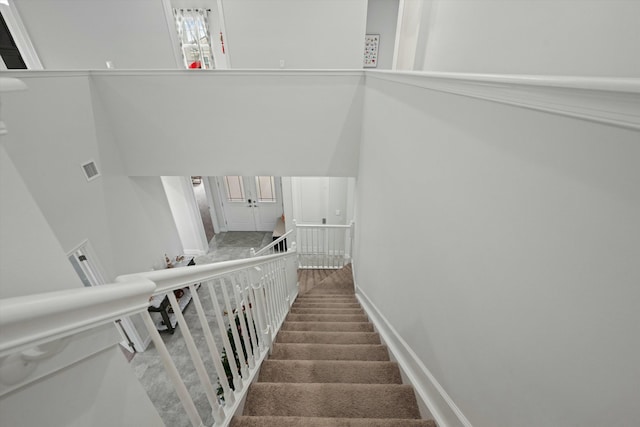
329, 368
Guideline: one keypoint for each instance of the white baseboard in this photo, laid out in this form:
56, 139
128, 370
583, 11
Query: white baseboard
428, 390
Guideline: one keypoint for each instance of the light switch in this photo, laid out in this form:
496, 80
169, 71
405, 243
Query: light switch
337, 212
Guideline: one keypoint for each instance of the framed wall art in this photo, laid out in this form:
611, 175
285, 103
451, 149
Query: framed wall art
371, 43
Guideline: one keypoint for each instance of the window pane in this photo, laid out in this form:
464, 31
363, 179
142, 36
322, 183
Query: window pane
235, 188
266, 189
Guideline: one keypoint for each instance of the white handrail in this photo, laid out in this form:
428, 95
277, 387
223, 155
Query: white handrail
271, 245
261, 291
172, 279
324, 246
323, 226
27, 321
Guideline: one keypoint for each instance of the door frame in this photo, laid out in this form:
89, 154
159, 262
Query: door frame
88, 262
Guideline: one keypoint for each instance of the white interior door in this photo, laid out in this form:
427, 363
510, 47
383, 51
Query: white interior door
250, 203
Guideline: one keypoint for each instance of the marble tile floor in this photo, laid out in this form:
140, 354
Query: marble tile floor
147, 365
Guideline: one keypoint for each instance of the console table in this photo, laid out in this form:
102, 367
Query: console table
160, 304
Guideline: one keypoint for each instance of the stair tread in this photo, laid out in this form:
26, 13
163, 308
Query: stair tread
332, 400
285, 351
327, 317
327, 326
330, 371
328, 337
275, 421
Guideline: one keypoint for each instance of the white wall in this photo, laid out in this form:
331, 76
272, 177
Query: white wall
185, 214
55, 126
315, 198
510, 262
71, 34
237, 123
561, 37
100, 390
382, 18
317, 34
26, 241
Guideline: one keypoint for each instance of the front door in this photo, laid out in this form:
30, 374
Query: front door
250, 203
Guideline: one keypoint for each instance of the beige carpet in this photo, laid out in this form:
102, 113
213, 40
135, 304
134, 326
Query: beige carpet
329, 368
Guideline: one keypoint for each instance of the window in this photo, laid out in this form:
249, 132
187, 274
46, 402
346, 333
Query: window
235, 188
16, 50
265, 189
195, 41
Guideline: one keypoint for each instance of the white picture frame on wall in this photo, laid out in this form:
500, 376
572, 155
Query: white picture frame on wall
371, 44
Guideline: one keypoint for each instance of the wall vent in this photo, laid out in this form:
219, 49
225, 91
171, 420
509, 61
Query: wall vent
90, 170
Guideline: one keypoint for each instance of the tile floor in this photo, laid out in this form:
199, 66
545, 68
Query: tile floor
147, 365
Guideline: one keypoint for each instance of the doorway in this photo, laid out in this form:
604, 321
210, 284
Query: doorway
199, 190
85, 263
250, 203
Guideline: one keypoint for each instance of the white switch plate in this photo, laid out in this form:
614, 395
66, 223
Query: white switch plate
337, 212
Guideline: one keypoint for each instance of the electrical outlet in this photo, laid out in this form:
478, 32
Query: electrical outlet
337, 212
282, 63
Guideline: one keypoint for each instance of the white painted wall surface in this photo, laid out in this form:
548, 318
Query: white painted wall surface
55, 126
315, 198
320, 34
26, 240
508, 261
382, 18
71, 34
237, 123
185, 214
560, 37
99, 391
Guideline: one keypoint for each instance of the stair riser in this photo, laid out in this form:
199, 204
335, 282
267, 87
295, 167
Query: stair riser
326, 311
363, 352
331, 400
328, 326
320, 371
327, 318
325, 305
328, 337
246, 421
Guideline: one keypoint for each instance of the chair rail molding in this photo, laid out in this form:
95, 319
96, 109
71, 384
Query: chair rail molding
609, 100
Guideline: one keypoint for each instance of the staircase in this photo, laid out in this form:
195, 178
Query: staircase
329, 368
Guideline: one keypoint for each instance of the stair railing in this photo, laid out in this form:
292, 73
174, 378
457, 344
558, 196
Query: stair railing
246, 300
278, 245
324, 246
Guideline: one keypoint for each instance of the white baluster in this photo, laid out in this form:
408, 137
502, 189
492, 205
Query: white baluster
257, 286
172, 372
244, 318
195, 355
245, 292
237, 382
234, 330
215, 355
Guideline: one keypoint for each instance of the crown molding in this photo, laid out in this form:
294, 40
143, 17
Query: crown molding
613, 101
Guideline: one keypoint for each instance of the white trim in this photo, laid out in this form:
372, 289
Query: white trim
609, 100
396, 43
613, 101
443, 409
20, 36
173, 34
218, 72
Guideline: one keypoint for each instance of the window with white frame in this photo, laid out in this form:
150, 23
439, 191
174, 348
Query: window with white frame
265, 189
235, 188
195, 39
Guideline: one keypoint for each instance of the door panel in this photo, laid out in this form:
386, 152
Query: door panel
243, 210
267, 213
